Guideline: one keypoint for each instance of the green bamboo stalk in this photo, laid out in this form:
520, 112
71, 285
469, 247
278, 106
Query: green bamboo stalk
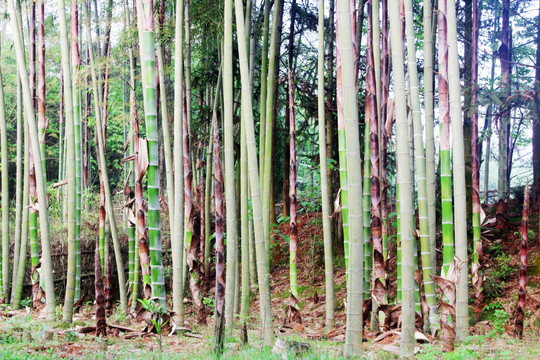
166, 133
505, 86
187, 63
268, 135
4, 274
262, 99
458, 153
178, 234
327, 224
398, 241
342, 155
353, 335
135, 183
71, 186
244, 228
477, 276
103, 170
420, 166
42, 121
262, 265
40, 185
131, 171
18, 284
146, 18
429, 124
76, 63
444, 116
207, 200
293, 232
228, 138
378, 290
405, 186
18, 196
366, 207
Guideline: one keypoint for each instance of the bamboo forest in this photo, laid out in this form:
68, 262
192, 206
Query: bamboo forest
270, 179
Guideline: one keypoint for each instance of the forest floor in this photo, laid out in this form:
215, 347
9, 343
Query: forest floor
22, 336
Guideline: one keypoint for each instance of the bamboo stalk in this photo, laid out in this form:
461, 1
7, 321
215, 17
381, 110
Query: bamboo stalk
458, 172
520, 313
146, 19
40, 185
260, 247
353, 335
405, 188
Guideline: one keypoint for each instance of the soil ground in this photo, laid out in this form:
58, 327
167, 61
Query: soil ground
22, 336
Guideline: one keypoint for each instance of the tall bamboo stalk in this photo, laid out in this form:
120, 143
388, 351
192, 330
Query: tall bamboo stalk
137, 186
420, 165
327, 229
262, 99
40, 185
342, 153
378, 289
178, 234
504, 56
103, 169
366, 203
244, 231
146, 19
444, 119
477, 276
385, 77
166, 132
431, 185
76, 63
18, 198
353, 336
268, 134
293, 232
40, 99
458, 171
4, 274
70, 139
405, 188
260, 248
18, 284
228, 139
220, 248
520, 313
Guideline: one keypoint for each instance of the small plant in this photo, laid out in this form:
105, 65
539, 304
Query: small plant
71, 336
157, 311
493, 306
500, 320
26, 302
119, 316
209, 302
